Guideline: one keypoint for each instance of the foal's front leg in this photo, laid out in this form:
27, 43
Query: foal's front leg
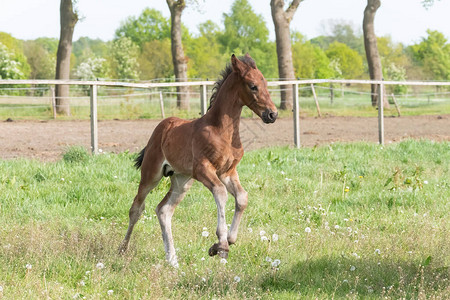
206, 174
241, 199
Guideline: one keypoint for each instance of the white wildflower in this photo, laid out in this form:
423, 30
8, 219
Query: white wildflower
262, 232
276, 263
28, 266
205, 233
100, 266
336, 227
268, 259
250, 230
377, 251
110, 292
237, 278
352, 268
264, 238
307, 229
274, 237
223, 261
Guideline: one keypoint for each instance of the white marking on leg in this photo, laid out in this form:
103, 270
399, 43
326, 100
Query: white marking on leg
179, 186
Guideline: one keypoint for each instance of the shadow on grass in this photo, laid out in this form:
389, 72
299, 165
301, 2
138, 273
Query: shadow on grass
341, 277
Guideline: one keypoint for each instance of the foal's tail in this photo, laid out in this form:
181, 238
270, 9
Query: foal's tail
139, 159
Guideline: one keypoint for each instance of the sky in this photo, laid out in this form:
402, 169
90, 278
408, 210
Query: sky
406, 21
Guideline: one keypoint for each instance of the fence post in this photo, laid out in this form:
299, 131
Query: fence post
380, 114
203, 102
161, 104
315, 99
94, 125
331, 93
52, 89
296, 117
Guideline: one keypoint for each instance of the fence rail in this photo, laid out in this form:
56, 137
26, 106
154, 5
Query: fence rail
203, 97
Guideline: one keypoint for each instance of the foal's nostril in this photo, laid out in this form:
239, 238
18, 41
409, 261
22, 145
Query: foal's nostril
272, 116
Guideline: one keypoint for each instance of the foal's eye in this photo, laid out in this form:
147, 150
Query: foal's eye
253, 87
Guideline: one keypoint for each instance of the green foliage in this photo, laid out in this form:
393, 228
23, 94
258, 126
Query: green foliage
13, 63
124, 54
310, 61
85, 48
350, 61
204, 52
149, 26
155, 60
342, 32
41, 58
61, 224
92, 68
9, 67
433, 54
246, 31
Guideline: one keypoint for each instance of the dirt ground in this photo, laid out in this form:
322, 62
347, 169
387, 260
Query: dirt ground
47, 140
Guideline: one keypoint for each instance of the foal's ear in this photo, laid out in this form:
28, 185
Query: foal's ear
237, 65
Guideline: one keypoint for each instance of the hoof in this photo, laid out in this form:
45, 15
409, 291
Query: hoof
122, 248
214, 250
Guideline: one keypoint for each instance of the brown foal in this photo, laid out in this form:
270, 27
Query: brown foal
206, 149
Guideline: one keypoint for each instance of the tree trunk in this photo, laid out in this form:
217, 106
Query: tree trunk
179, 60
68, 19
281, 21
370, 45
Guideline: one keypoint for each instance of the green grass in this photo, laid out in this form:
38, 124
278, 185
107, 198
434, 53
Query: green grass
378, 220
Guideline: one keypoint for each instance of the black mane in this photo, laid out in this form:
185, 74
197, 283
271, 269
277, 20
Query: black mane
224, 75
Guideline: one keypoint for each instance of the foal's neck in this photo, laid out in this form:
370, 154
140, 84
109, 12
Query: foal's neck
225, 113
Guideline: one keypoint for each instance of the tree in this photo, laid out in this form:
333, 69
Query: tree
370, 45
205, 57
310, 61
124, 54
149, 26
428, 3
15, 50
433, 55
281, 20
41, 61
340, 31
349, 61
178, 58
246, 31
155, 60
9, 67
68, 19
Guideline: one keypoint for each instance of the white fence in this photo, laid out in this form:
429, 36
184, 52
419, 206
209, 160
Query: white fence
203, 96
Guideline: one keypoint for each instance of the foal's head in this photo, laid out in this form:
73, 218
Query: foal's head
253, 88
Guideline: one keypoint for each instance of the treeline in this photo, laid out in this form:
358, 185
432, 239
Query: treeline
141, 50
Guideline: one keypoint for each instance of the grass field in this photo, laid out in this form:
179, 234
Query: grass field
340, 221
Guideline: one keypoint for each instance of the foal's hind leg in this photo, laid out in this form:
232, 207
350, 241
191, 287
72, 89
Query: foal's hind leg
151, 174
180, 184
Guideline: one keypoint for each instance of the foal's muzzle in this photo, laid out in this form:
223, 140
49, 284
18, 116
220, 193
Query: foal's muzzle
269, 116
